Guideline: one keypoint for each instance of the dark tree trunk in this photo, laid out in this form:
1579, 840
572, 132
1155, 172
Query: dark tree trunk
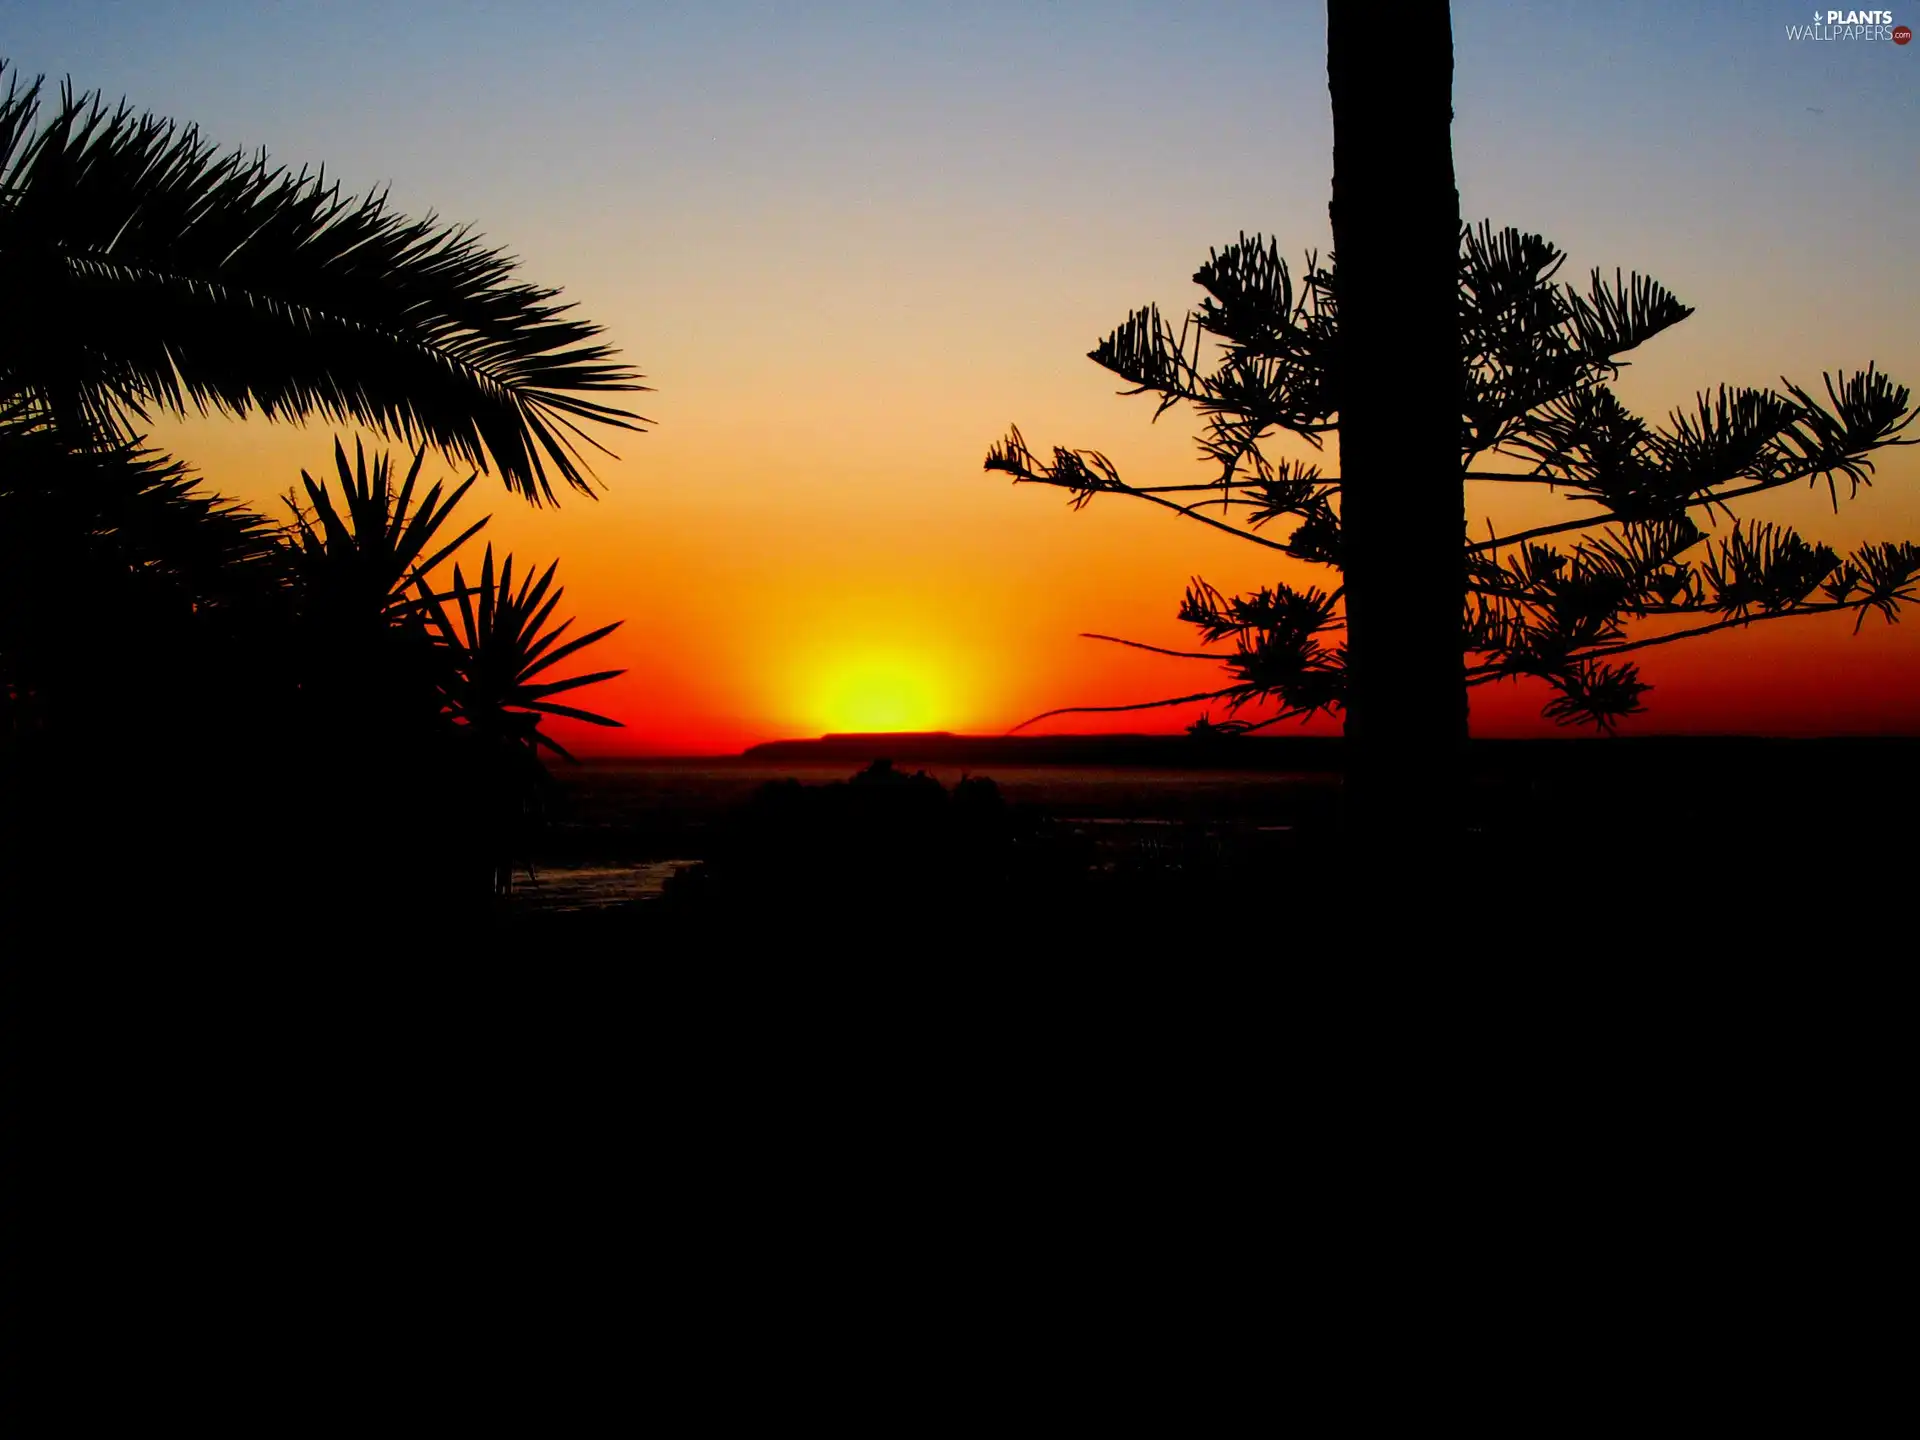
1396, 238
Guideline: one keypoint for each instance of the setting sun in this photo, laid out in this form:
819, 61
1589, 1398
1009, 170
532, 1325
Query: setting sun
881, 692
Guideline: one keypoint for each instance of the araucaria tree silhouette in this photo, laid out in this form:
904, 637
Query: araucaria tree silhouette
1394, 362
1663, 548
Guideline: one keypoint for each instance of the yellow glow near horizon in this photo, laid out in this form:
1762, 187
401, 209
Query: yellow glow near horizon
847, 256
881, 691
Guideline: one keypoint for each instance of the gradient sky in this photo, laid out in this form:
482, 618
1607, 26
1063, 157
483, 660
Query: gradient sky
847, 244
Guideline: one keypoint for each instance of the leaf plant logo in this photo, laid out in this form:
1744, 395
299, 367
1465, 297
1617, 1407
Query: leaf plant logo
1851, 25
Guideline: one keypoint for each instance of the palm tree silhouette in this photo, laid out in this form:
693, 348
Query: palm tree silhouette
494, 695
201, 670
145, 271
502, 646
118, 572
457, 706
364, 649
368, 559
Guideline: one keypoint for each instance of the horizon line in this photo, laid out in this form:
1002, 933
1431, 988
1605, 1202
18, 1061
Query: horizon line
1118, 736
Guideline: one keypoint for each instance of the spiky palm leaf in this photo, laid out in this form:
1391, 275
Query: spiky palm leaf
128, 592
144, 269
129, 511
368, 560
501, 647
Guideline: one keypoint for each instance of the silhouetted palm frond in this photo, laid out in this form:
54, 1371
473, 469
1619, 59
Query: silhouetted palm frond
369, 559
124, 583
142, 268
501, 647
133, 510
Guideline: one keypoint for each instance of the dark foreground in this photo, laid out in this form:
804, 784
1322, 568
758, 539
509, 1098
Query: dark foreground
1108, 834
898, 1075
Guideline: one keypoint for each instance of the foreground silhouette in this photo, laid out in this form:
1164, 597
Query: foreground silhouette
194, 704
319, 702
364, 1179
883, 842
1104, 841
1393, 362
1415, 619
259, 780
1532, 610
144, 269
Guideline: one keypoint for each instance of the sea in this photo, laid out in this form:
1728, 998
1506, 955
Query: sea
622, 827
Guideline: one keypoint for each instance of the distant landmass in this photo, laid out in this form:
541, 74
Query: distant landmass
1318, 753
1175, 752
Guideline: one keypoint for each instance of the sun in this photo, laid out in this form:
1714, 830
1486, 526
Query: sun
877, 692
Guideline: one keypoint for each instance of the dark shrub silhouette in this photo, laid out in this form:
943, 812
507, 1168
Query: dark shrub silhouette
453, 758
882, 842
203, 711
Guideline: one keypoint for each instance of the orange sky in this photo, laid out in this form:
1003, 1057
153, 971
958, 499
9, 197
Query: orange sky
848, 244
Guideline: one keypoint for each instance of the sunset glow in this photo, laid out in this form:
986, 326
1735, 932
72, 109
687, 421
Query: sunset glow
847, 245
579, 580
880, 692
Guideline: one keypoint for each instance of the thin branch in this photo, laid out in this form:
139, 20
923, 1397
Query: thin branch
1542, 531
1480, 675
1209, 485
1157, 650
1227, 502
1114, 709
1731, 623
1193, 514
1275, 720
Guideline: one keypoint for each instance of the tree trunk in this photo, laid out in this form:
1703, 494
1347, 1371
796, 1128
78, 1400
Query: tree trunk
1396, 239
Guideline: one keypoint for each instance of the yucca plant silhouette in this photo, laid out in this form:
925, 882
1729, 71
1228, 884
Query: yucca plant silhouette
502, 644
367, 650
369, 559
380, 757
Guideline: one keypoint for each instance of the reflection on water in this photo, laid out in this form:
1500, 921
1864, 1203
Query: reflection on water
589, 887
